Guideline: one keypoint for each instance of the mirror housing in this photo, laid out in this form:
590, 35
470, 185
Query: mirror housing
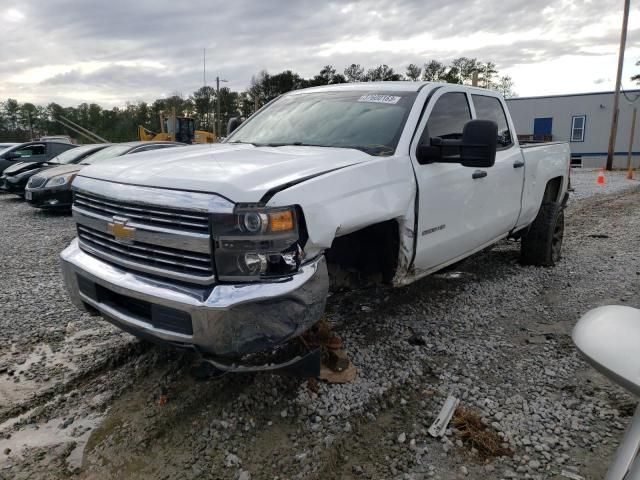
12, 156
608, 337
477, 147
233, 124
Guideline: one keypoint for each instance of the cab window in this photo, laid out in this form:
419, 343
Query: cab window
490, 108
449, 115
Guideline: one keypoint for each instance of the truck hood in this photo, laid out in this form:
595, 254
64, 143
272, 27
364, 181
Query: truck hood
54, 171
241, 173
20, 167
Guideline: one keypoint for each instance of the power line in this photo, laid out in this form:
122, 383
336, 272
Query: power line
624, 93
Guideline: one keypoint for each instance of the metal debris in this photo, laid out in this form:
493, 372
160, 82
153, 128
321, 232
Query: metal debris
570, 474
439, 426
336, 366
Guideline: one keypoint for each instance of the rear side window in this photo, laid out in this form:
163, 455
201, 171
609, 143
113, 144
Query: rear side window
490, 108
61, 147
449, 115
31, 151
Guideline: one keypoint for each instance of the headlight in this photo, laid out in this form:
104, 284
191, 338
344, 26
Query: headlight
60, 180
256, 242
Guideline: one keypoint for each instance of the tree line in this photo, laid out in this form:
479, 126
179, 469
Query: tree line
24, 121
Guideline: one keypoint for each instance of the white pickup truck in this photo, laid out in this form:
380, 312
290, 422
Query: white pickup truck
229, 249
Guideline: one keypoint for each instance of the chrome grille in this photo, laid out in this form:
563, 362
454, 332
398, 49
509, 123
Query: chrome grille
188, 264
36, 181
152, 216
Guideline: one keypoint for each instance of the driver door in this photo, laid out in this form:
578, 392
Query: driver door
449, 214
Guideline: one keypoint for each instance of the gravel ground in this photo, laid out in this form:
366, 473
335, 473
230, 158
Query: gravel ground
584, 183
78, 398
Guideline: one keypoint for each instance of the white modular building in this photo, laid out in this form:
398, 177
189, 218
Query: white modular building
583, 120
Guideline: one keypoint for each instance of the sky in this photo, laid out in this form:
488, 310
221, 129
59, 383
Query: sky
116, 51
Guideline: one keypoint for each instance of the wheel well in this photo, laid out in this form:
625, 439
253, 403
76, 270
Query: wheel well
369, 255
552, 190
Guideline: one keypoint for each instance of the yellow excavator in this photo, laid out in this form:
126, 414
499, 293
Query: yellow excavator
176, 129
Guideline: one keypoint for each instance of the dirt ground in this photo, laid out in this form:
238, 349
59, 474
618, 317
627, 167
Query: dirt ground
491, 332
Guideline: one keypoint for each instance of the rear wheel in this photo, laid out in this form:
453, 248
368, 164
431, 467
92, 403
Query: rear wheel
542, 244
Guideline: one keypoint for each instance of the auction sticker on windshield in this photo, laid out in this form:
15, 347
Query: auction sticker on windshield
377, 98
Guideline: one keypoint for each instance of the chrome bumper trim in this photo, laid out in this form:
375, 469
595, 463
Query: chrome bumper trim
228, 320
204, 202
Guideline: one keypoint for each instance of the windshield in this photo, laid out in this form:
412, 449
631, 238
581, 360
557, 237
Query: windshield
73, 155
368, 121
109, 152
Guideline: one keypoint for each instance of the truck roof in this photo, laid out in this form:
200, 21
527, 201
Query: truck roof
399, 86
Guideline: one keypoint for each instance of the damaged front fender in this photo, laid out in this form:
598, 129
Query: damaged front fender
356, 197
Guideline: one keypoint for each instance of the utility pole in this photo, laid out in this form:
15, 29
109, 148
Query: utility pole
66, 122
633, 131
616, 97
207, 114
474, 79
219, 130
30, 126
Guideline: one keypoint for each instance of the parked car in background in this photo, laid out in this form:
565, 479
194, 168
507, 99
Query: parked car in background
32, 152
51, 188
15, 177
5, 145
57, 138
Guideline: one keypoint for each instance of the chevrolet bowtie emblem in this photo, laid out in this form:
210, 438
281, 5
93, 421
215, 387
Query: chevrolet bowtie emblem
119, 229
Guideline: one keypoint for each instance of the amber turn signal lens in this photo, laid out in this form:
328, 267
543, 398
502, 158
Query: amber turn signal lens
281, 221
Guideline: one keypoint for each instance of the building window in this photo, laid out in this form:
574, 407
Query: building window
577, 128
576, 161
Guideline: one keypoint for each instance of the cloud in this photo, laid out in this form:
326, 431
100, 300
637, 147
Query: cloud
121, 50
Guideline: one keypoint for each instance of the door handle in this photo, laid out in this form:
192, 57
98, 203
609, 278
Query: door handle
479, 174
518, 164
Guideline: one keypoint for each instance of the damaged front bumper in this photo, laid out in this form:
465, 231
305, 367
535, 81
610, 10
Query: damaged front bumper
224, 320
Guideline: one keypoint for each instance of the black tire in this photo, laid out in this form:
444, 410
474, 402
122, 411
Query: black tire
542, 244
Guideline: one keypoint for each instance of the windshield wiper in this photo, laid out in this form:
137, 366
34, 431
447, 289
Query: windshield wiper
294, 144
284, 144
376, 150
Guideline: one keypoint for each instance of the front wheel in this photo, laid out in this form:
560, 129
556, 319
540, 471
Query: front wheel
542, 244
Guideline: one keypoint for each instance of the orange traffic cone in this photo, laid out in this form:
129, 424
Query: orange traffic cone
630, 174
600, 180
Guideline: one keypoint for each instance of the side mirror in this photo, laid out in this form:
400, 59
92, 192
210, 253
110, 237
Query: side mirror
479, 144
12, 156
234, 123
608, 337
476, 148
